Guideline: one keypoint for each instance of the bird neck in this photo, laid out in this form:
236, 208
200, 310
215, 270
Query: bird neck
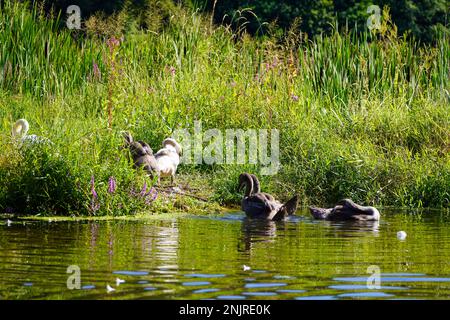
256, 186
20, 128
248, 187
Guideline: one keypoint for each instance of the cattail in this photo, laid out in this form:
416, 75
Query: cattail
112, 186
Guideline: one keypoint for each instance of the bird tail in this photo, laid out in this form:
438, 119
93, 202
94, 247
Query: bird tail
291, 205
287, 209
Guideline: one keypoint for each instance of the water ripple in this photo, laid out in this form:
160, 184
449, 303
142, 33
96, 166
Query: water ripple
264, 285
131, 273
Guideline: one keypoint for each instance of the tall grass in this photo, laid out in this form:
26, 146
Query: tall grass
36, 58
365, 116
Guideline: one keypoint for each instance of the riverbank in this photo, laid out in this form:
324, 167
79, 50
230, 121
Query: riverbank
362, 117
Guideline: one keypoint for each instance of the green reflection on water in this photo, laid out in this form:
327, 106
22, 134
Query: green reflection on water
203, 257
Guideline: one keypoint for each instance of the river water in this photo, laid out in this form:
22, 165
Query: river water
227, 257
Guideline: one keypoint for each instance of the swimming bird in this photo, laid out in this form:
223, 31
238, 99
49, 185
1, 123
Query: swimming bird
20, 130
168, 158
261, 205
142, 154
346, 209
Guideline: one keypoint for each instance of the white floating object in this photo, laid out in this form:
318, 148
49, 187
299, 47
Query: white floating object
8, 222
110, 289
401, 235
246, 268
119, 281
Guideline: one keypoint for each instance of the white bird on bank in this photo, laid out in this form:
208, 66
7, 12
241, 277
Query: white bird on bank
119, 281
168, 158
20, 130
8, 222
109, 288
401, 235
246, 268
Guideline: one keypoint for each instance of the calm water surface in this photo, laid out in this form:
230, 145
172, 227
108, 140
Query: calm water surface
203, 258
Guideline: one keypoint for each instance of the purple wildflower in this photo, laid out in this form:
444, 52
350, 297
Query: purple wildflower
94, 193
145, 194
112, 43
171, 70
95, 206
9, 210
294, 97
112, 186
97, 73
148, 196
133, 192
155, 194
144, 190
151, 196
275, 62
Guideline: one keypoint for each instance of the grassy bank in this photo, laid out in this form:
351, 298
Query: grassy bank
362, 117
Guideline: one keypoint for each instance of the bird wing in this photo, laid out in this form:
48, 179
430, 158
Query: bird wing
146, 147
267, 196
257, 205
348, 210
162, 153
137, 150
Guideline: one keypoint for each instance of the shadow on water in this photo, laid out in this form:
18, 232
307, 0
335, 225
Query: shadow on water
352, 228
254, 231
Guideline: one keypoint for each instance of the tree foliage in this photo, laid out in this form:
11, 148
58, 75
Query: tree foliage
420, 17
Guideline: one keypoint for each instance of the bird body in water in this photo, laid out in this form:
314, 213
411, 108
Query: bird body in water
346, 209
261, 205
142, 154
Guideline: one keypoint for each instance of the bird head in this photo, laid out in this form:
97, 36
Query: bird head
245, 181
127, 136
